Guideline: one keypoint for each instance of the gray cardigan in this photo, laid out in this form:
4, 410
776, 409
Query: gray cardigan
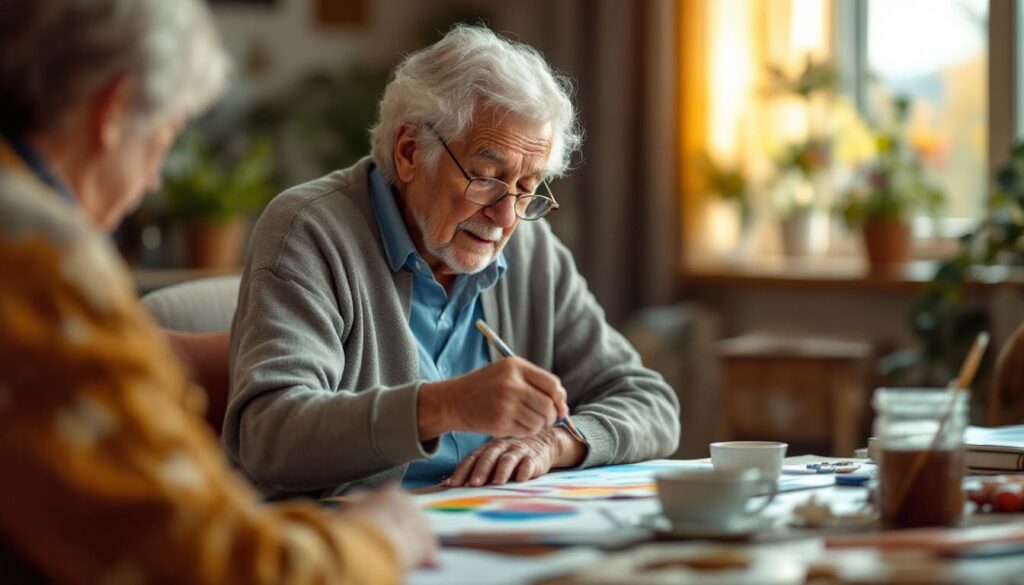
324, 366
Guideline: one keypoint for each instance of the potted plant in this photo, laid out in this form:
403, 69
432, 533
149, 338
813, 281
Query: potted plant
888, 191
803, 166
729, 183
211, 193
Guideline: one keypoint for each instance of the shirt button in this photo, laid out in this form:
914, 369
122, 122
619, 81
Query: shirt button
419, 266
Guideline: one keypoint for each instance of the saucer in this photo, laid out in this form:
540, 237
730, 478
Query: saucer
739, 529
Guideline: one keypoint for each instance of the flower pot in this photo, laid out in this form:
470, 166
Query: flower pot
887, 241
796, 234
215, 243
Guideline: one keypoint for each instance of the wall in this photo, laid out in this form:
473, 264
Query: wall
294, 43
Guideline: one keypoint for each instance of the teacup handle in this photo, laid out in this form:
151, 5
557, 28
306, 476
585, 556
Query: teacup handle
773, 490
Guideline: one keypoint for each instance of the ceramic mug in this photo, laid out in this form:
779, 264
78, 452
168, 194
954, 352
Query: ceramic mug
764, 455
712, 498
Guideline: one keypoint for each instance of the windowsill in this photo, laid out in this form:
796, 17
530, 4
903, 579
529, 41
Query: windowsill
831, 272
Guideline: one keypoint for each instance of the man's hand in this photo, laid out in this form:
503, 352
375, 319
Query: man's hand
399, 519
508, 398
504, 460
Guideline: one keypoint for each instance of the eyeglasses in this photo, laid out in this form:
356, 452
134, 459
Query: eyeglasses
487, 191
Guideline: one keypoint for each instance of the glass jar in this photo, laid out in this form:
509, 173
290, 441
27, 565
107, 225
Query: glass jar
920, 476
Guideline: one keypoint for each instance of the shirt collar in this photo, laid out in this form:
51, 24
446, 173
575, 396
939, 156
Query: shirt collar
398, 246
397, 243
34, 163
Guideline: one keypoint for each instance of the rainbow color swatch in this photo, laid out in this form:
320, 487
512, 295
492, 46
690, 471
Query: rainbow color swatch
503, 508
471, 504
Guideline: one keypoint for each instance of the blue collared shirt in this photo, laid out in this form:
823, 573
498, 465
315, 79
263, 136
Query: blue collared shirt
449, 344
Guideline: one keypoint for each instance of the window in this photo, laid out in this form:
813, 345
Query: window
934, 52
954, 59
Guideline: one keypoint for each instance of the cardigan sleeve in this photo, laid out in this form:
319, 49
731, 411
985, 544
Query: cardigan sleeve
626, 411
110, 476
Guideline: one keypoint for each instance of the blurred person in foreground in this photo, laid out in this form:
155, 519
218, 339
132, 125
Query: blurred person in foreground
355, 360
110, 474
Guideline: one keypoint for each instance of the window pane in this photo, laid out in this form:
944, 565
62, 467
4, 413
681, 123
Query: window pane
936, 53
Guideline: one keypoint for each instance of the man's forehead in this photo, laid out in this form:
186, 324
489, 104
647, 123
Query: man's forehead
500, 143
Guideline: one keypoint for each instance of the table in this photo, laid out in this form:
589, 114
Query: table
618, 551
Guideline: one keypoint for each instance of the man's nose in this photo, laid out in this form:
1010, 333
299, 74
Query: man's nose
502, 213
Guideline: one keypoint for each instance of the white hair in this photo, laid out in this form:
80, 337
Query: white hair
443, 84
56, 53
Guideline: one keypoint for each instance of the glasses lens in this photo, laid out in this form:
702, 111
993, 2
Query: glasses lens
485, 191
533, 206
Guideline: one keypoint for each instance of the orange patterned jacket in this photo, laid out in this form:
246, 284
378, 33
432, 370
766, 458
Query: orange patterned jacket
108, 474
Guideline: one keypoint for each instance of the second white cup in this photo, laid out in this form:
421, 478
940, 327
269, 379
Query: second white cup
764, 455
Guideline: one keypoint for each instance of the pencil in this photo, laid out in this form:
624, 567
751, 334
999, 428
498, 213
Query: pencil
504, 350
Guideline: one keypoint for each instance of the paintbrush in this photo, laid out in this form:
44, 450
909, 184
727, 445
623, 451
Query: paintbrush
504, 350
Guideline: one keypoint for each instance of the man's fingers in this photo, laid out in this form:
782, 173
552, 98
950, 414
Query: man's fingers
485, 464
462, 470
547, 383
506, 465
527, 469
531, 421
539, 404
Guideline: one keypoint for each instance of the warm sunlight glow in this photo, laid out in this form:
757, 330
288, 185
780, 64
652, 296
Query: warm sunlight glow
731, 68
807, 30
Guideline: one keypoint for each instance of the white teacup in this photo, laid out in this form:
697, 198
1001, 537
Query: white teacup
764, 455
712, 498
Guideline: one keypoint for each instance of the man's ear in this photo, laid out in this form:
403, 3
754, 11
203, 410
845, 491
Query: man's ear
111, 113
406, 149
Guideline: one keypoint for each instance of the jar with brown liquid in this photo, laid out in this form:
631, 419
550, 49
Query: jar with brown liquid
920, 476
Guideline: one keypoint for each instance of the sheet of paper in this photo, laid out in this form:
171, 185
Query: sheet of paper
487, 510
789, 483
470, 567
1010, 437
629, 481
635, 480
513, 513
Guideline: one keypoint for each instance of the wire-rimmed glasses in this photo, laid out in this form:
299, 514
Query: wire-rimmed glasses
488, 191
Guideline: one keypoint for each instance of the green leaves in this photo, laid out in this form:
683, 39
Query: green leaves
941, 318
896, 183
331, 113
809, 157
729, 183
814, 77
203, 182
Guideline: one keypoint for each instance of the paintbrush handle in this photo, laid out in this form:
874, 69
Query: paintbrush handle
504, 350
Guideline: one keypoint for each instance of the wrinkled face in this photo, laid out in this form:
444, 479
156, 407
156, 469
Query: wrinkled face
454, 235
127, 170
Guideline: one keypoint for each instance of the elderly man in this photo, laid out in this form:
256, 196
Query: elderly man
355, 359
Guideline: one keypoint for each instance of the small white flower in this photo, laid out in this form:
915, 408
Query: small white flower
181, 471
83, 424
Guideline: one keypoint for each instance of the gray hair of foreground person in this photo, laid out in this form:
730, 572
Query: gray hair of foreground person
54, 53
447, 83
